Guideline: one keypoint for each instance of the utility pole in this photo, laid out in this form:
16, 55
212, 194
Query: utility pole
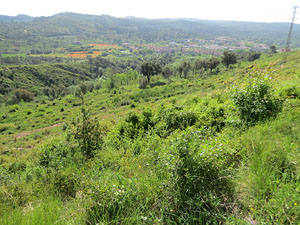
288, 42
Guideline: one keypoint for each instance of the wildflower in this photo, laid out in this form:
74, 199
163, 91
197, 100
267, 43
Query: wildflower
140, 166
252, 209
144, 218
295, 204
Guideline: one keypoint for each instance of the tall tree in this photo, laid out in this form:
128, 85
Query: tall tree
149, 69
184, 68
167, 72
212, 63
200, 64
229, 58
273, 49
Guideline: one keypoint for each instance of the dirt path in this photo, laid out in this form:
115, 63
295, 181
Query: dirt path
26, 133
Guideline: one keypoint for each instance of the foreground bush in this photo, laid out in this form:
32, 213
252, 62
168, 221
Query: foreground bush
256, 102
88, 133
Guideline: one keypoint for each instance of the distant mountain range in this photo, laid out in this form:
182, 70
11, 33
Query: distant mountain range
133, 29
18, 18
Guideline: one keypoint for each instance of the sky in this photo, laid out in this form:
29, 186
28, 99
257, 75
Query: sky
238, 10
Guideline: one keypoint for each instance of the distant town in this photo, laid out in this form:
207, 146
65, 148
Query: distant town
200, 46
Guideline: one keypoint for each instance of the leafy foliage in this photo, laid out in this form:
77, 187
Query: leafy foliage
172, 154
229, 58
149, 69
184, 68
88, 134
256, 102
23, 95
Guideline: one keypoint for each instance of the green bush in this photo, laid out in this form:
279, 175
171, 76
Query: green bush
164, 122
13, 108
171, 119
5, 126
203, 178
143, 82
66, 182
180, 120
131, 127
84, 88
23, 95
56, 155
291, 92
212, 117
88, 134
111, 84
256, 101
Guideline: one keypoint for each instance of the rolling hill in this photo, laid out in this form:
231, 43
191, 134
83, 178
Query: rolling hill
31, 31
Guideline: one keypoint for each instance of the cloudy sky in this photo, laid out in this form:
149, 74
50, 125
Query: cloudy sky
241, 10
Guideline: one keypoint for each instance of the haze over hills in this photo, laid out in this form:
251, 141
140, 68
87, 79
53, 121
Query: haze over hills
130, 29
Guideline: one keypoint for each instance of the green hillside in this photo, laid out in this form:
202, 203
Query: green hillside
45, 35
35, 77
219, 147
54, 79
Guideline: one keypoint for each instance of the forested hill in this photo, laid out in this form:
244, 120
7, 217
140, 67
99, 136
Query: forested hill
18, 18
131, 29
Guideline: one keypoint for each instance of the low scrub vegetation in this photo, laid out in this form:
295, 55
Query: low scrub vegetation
216, 149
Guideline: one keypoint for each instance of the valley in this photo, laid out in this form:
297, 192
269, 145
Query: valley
108, 120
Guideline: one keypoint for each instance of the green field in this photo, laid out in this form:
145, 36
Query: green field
220, 146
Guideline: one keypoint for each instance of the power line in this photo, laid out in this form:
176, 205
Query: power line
288, 42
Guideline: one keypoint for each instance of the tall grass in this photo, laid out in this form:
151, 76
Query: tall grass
45, 211
267, 183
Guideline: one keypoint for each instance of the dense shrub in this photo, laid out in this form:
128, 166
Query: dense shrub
291, 92
66, 183
180, 120
143, 82
56, 155
56, 91
171, 119
111, 84
131, 127
251, 56
164, 122
256, 101
203, 184
5, 126
84, 88
213, 117
23, 95
88, 133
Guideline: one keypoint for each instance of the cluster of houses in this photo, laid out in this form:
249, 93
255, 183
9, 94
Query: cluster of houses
199, 46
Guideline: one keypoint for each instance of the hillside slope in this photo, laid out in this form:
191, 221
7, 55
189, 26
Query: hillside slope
36, 77
221, 149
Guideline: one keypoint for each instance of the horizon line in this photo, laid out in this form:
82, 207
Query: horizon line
145, 18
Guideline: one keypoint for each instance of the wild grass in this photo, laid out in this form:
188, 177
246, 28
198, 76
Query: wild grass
181, 155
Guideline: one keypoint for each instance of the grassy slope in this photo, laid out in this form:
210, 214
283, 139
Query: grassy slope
267, 181
263, 176
36, 77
